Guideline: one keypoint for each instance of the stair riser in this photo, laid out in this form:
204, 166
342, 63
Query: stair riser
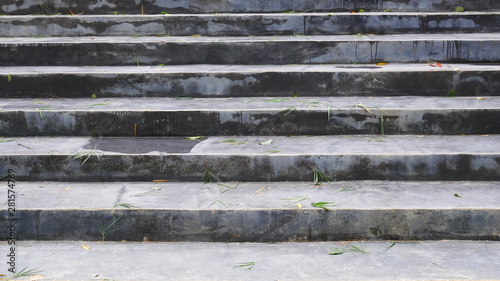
246, 25
258, 122
271, 84
202, 6
257, 225
253, 168
156, 52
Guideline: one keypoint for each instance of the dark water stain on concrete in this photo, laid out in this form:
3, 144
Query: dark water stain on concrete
143, 145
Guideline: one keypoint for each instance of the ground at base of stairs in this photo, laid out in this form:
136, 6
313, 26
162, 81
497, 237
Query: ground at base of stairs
385, 260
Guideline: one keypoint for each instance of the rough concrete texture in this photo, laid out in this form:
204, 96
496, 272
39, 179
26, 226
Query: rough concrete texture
249, 24
250, 81
386, 185
49, 7
243, 159
250, 116
437, 260
126, 51
256, 212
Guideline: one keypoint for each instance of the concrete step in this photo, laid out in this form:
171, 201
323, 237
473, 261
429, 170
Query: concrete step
430, 260
133, 50
249, 116
254, 212
249, 24
250, 81
46, 7
264, 158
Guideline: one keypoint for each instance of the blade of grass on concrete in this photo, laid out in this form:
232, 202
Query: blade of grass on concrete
324, 205
25, 272
248, 265
348, 248
295, 199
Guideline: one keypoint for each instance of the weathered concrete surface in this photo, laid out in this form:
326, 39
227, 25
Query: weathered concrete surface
249, 24
258, 225
189, 212
50, 7
244, 159
250, 81
432, 260
126, 51
254, 116
187, 196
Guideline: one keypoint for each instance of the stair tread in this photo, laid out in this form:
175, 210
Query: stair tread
430, 260
397, 151
192, 196
243, 14
332, 104
134, 17
410, 145
215, 68
226, 39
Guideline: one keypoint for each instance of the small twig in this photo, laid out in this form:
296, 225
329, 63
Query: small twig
260, 190
440, 266
333, 90
42, 186
23, 145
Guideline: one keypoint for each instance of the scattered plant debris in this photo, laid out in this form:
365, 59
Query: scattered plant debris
266, 142
295, 199
324, 205
248, 265
347, 249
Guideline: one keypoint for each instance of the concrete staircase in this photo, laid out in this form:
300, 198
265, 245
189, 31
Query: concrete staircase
149, 140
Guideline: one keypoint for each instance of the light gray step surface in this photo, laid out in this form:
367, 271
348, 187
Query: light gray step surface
250, 80
254, 212
47, 7
249, 24
147, 50
264, 158
249, 116
432, 260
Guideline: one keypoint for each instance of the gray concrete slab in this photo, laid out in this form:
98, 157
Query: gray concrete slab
251, 145
250, 80
126, 51
439, 260
359, 104
249, 24
186, 196
256, 212
250, 116
244, 159
199, 6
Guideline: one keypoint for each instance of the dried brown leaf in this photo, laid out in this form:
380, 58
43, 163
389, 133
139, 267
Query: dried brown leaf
66, 189
260, 190
35, 277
